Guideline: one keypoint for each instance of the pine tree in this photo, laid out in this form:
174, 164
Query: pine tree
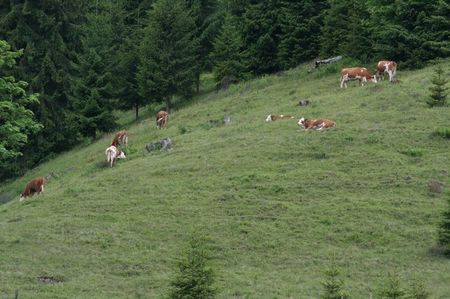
333, 285
17, 121
391, 288
195, 278
207, 22
300, 31
129, 24
169, 63
227, 55
438, 96
93, 92
261, 33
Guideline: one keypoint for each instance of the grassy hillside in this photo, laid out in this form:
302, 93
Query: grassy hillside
274, 203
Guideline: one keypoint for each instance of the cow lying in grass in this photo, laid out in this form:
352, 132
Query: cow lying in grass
36, 185
317, 124
121, 137
272, 117
112, 154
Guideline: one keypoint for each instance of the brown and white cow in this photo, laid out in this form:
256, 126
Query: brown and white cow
121, 137
112, 154
356, 73
317, 124
36, 185
272, 117
386, 66
162, 118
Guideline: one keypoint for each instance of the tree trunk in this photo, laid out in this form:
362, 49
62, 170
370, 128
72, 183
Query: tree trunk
168, 104
198, 83
136, 107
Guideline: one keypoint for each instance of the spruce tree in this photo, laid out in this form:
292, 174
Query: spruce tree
17, 121
168, 61
438, 96
93, 92
227, 56
194, 278
208, 21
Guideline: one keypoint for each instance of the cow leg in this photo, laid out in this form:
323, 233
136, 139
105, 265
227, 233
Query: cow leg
42, 188
343, 82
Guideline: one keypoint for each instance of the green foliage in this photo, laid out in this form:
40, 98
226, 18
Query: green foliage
227, 56
195, 278
442, 132
391, 288
417, 290
49, 33
438, 96
333, 285
93, 94
169, 50
444, 230
17, 122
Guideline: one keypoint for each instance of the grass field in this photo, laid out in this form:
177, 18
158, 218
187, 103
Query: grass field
274, 203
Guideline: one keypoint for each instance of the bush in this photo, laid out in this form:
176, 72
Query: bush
417, 290
391, 288
333, 285
438, 96
444, 231
194, 279
442, 132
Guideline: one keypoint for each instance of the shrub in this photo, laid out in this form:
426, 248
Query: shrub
417, 290
442, 132
444, 231
333, 285
391, 288
195, 278
438, 96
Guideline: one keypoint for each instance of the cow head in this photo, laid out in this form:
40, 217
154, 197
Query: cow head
301, 122
373, 79
120, 155
269, 118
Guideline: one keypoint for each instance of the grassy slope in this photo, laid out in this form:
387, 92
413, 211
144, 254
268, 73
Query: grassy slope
274, 202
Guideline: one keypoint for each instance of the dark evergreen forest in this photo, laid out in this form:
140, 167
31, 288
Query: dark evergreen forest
66, 65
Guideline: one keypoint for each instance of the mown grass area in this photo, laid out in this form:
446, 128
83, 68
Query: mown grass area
274, 203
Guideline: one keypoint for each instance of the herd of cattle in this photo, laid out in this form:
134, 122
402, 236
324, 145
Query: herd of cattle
113, 152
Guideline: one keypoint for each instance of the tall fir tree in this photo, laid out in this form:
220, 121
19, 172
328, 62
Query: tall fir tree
169, 62
227, 56
93, 95
300, 31
261, 32
345, 31
208, 21
48, 31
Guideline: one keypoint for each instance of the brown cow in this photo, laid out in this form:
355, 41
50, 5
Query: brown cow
356, 73
36, 185
121, 137
162, 118
386, 66
317, 124
272, 117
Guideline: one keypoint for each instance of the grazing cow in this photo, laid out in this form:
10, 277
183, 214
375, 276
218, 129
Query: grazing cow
272, 117
385, 66
317, 124
162, 118
112, 154
121, 137
356, 73
36, 185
